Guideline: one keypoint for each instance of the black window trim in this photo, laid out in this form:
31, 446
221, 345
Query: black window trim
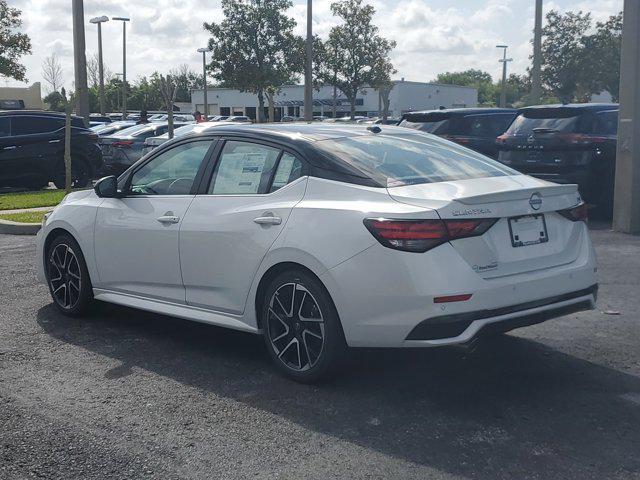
127, 176
210, 172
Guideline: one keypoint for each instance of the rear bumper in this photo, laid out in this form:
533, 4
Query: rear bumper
461, 328
383, 296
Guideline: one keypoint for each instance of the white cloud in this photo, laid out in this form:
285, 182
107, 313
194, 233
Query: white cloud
433, 36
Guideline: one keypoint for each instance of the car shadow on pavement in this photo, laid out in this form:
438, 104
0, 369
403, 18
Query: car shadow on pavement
513, 408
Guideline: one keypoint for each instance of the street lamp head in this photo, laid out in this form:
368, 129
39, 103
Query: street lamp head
101, 19
502, 46
121, 19
204, 50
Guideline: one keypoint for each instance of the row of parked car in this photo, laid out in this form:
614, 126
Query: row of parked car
573, 143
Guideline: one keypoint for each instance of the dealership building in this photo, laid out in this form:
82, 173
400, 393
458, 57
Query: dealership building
404, 97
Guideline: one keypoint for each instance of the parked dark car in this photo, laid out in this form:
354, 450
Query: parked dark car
475, 128
574, 143
32, 150
107, 129
126, 147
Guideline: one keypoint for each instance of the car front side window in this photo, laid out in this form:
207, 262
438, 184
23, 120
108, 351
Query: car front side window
173, 172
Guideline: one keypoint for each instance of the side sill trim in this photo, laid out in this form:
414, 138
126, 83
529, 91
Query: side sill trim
172, 309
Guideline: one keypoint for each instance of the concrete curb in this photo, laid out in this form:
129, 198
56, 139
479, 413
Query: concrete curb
8, 227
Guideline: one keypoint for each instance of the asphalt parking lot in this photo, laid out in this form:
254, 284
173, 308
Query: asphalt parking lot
125, 394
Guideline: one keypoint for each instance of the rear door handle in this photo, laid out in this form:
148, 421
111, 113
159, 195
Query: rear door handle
54, 141
268, 220
168, 219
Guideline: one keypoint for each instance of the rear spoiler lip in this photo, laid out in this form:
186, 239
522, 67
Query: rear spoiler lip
521, 194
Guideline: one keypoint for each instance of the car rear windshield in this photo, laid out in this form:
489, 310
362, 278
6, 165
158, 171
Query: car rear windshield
436, 123
551, 120
477, 125
132, 131
395, 160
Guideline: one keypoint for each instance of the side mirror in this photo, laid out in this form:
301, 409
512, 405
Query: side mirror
107, 187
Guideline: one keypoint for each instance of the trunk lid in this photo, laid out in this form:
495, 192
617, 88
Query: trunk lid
528, 234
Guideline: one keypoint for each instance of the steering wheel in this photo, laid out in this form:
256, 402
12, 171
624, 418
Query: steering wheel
182, 185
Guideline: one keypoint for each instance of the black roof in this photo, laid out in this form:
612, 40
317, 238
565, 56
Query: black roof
303, 138
596, 107
458, 112
300, 133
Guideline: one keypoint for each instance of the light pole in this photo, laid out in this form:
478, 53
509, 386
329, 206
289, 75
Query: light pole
80, 60
504, 60
99, 21
536, 81
124, 21
204, 51
308, 71
626, 212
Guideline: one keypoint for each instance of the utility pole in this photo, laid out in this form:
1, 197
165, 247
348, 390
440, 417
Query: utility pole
204, 51
308, 71
504, 60
80, 61
626, 212
99, 21
536, 80
124, 21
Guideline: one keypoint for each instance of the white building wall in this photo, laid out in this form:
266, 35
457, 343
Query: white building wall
404, 97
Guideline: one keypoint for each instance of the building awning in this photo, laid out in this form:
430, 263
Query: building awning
317, 102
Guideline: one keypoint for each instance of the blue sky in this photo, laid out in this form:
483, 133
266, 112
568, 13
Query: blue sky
433, 35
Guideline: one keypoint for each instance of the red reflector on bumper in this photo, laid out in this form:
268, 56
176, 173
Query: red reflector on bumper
453, 298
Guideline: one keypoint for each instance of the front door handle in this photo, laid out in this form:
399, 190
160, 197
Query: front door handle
168, 219
55, 141
12, 147
268, 220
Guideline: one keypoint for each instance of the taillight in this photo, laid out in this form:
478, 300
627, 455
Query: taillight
576, 214
502, 139
422, 235
581, 139
123, 144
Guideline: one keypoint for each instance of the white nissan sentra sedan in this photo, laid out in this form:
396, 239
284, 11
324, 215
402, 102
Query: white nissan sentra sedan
320, 237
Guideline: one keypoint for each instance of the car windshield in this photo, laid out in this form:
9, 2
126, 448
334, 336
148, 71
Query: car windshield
406, 159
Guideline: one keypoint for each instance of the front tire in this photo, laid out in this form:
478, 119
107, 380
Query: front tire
68, 277
301, 326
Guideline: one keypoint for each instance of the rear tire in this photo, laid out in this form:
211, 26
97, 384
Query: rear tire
80, 175
301, 326
68, 277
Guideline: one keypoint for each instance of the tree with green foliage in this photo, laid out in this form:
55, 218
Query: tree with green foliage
254, 47
356, 54
602, 49
13, 44
482, 81
56, 101
563, 55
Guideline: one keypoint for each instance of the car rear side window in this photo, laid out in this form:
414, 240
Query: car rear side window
244, 168
396, 160
26, 125
289, 169
5, 127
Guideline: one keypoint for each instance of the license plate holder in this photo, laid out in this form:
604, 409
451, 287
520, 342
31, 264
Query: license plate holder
528, 230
